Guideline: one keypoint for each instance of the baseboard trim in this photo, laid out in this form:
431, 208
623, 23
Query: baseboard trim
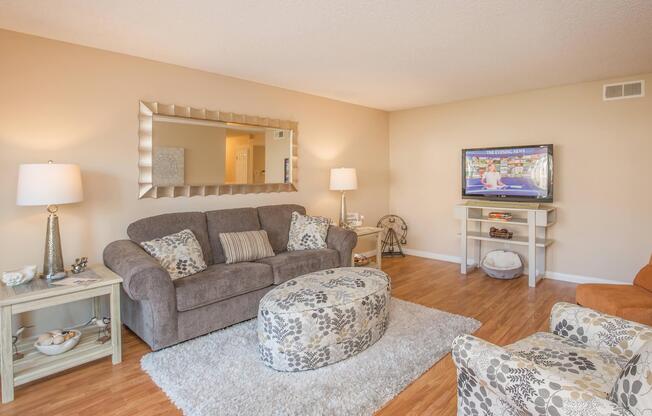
576, 278
436, 256
564, 277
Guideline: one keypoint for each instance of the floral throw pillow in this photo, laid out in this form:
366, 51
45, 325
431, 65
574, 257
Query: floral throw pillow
180, 254
633, 389
307, 233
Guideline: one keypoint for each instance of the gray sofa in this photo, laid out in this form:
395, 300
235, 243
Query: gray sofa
164, 312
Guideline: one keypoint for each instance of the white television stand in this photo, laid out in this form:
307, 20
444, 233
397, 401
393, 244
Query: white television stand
529, 224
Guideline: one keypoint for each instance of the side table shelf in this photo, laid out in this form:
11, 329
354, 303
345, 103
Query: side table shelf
40, 294
35, 365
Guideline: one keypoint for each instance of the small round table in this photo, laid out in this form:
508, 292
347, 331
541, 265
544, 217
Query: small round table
323, 317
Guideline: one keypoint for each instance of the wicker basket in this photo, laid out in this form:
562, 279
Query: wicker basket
500, 233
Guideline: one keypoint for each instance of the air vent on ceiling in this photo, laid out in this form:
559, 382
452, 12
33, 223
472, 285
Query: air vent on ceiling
630, 89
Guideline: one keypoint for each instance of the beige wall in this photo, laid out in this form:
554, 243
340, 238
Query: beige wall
603, 171
276, 151
80, 105
204, 149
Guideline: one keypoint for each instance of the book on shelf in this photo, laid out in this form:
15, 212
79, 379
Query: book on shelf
501, 216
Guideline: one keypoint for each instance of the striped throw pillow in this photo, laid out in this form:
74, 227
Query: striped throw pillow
245, 246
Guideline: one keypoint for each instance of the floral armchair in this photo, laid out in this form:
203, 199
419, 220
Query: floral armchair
573, 370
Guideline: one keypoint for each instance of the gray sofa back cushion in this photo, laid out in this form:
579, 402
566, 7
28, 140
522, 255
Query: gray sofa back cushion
229, 221
275, 219
291, 264
166, 224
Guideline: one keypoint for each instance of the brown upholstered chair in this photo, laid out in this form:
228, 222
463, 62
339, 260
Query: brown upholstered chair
631, 302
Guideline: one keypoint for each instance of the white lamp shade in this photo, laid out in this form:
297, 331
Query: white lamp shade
49, 184
343, 179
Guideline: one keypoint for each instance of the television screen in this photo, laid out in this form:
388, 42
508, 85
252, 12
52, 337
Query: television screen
522, 173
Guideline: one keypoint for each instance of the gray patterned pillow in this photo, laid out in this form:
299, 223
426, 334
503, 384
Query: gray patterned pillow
633, 389
180, 254
307, 233
246, 246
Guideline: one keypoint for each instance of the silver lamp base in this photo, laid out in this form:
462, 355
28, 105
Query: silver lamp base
343, 222
53, 258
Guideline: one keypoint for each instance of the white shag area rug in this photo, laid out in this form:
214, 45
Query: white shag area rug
221, 373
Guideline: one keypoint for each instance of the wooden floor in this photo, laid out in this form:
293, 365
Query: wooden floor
508, 310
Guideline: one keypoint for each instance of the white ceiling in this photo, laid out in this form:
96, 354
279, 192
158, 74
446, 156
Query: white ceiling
379, 53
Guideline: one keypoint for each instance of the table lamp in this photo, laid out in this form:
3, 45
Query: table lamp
50, 184
343, 179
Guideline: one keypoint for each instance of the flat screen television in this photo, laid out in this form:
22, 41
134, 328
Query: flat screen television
518, 173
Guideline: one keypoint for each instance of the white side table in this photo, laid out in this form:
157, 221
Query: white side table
40, 294
378, 233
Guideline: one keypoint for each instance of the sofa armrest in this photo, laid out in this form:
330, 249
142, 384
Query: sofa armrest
598, 330
143, 277
343, 241
486, 370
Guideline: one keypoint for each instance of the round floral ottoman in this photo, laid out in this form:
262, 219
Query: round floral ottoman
323, 317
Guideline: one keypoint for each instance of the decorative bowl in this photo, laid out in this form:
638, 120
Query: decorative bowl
360, 260
20, 276
60, 348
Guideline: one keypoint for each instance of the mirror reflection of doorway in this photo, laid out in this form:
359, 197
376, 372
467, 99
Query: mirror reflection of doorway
242, 164
241, 147
259, 164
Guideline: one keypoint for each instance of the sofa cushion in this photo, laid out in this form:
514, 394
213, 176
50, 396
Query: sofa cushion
275, 219
291, 264
161, 225
219, 282
628, 302
307, 233
229, 221
245, 246
590, 369
178, 253
633, 389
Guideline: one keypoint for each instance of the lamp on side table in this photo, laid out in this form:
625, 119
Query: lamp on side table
50, 184
343, 179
